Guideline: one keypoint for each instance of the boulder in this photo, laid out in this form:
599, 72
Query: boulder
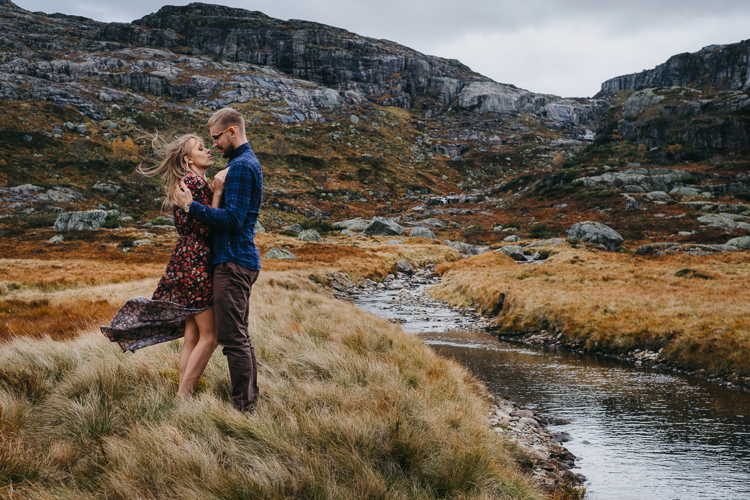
515, 252
403, 266
632, 205
259, 229
658, 196
685, 191
459, 245
347, 232
93, 219
433, 223
295, 228
106, 187
512, 239
279, 254
58, 238
352, 224
394, 242
497, 228
310, 235
383, 227
741, 243
728, 222
144, 241
422, 232
596, 233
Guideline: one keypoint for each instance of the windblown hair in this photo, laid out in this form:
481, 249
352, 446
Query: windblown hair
173, 167
227, 117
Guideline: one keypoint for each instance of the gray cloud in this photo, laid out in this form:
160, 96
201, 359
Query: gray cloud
551, 46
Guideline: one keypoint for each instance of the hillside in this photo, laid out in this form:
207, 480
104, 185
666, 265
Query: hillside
344, 125
349, 126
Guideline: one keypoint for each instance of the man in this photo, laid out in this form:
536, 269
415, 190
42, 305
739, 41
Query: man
236, 262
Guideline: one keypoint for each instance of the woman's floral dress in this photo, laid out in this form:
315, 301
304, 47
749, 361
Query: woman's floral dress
186, 287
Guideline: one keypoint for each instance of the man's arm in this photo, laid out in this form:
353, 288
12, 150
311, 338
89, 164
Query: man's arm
238, 191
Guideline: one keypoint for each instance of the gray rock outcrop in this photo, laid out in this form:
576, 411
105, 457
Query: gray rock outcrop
279, 254
68, 221
403, 266
357, 224
422, 232
515, 252
596, 233
310, 235
512, 239
671, 248
741, 243
383, 227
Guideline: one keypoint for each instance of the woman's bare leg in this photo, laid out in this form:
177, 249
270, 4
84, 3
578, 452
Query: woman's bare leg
201, 353
192, 336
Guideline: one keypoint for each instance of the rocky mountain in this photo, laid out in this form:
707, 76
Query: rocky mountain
716, 67
700, 101
177, 52
348, 126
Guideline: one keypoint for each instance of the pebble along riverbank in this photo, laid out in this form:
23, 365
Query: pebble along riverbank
550, 463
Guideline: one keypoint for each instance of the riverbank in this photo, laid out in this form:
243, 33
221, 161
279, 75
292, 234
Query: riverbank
402, 298
679, 312
351, 407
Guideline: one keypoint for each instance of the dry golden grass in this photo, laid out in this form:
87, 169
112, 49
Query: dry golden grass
351, 407
615, 302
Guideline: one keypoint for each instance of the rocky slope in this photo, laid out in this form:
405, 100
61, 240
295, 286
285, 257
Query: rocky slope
720, 67
349, 126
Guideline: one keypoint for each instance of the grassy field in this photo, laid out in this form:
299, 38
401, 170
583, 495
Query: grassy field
694, 307
351, 406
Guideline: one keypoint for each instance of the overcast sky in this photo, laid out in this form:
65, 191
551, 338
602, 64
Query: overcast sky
562, 47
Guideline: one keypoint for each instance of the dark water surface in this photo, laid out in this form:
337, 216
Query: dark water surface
638, 433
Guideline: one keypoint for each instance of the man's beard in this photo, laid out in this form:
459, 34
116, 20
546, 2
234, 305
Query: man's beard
227, 152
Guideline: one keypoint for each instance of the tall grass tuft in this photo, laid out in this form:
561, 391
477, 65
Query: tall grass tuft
351, 407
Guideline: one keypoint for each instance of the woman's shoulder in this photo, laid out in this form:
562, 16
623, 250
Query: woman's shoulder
194, 180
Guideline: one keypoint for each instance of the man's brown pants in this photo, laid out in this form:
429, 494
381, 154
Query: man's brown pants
232, 287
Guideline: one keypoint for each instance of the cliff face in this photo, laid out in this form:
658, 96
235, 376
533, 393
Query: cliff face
721, 67
700, 100
212, 55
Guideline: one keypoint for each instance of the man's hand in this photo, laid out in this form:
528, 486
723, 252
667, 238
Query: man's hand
219, 181
182, 195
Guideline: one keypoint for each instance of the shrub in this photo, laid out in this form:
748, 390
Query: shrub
541, 231
124, 150
111, 222
162, 221
321, 226
692, 273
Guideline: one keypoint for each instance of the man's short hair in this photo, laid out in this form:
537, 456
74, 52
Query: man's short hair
227, 117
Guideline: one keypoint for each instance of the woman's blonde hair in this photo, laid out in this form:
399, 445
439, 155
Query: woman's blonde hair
173, 167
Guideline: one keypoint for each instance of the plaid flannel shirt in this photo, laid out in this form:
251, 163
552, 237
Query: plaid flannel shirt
234, 223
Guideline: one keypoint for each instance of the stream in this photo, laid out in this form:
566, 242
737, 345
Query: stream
637, 433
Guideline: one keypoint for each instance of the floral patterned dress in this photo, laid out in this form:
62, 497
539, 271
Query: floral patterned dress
186, 287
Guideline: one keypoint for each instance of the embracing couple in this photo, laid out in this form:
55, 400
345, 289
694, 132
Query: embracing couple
204, 294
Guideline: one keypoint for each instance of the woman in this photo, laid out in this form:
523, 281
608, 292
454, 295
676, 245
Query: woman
182, 304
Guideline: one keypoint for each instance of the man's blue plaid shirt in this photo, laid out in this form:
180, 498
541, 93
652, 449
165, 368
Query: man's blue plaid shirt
234, 223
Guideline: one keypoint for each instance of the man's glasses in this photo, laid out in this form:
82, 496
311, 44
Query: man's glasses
216, 137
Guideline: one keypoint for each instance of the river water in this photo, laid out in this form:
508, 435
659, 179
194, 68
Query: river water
637, 433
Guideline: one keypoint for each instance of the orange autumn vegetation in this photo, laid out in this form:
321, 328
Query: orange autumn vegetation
66, 288
615, 302
40, 318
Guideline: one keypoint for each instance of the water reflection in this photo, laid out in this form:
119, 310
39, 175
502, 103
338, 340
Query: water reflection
637, 433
